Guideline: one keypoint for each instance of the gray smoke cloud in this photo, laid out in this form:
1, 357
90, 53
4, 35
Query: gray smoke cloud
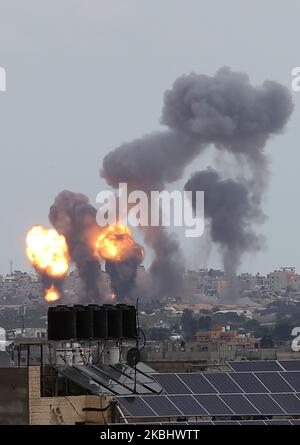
227, 110
74, 217
232, 213
224, 110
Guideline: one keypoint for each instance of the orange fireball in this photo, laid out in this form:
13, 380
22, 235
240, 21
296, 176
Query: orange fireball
115, 243
48, 251
52, 295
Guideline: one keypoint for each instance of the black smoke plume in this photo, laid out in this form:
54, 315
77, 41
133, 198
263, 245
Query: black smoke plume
74, 217
224, 110
122, 275
232, 213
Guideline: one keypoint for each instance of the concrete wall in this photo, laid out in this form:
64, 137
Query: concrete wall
66, 410
14, 396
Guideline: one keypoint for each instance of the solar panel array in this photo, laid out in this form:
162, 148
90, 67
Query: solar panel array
119, 379
201, 405
220, 422
265, 365
268, 389
230, 382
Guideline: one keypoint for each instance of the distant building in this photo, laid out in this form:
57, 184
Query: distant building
226, 335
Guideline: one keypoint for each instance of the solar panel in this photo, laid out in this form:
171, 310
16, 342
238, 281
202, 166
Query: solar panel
84, 382
278, 422
121, 374
265, 404
274, 382
289, 402
213, 405
248, 382
225, 422
290, 365
103, 379
136, 407
197, 383
171, 383
251, 422
223, 383
293, 378
239, 404
124, 374
162, 406
257, 365
188, 405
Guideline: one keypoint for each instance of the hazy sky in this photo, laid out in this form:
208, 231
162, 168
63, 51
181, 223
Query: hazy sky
85, 76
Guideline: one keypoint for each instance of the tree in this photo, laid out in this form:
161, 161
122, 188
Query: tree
189, 324
204, 323
159, 334
267, 342
282, 331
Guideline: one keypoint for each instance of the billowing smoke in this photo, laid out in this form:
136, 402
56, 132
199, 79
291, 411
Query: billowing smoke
74, 217
232, 213
122, 276
224, 110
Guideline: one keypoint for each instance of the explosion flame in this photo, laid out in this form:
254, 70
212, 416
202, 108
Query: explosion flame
115, 243
52, 295
48, 252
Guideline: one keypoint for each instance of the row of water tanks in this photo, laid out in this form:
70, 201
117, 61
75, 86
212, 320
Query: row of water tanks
92, 322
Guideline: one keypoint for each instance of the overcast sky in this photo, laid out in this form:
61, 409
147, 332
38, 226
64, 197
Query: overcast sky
85, 76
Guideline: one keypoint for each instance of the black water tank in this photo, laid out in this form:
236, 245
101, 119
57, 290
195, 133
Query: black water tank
61, 323
129, 327
114, 321
84, 322
99, 317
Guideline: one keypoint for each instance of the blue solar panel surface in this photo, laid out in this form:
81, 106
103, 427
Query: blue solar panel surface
257, 365
265, 404
213, 405
197, 383
289, 402
162, 406
239, 404
223, 382
290, 365
136, 407
248, 382
293, 379
171, 383
188, 405
274, 382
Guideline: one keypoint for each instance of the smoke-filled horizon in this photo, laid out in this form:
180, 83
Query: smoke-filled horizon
224, 110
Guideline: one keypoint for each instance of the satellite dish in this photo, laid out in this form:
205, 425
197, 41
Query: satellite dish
133, 357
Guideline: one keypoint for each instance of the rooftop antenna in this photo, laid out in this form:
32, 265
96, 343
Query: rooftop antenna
23, 319
11, 266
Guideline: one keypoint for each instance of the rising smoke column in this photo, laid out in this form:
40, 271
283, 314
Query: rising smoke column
148, 164
74, 217
224, 110
122, 257
232, 213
